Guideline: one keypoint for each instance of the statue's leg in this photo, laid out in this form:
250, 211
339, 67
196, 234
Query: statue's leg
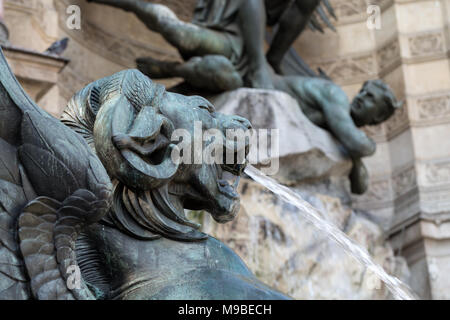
291, 24
189, 39
212, 72
158, 69
252, 20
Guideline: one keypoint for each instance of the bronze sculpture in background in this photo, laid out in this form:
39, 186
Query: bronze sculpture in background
327, 106
234, 29
223, 49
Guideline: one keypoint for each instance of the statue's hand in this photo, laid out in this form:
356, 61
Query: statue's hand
359, 177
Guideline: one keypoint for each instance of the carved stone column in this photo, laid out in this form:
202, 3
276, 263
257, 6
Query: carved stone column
422, 231
410, 173
4, 33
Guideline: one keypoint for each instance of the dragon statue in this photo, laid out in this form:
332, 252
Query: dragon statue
97, 192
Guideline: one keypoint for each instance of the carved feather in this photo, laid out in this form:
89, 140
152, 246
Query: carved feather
13, 276
52, 186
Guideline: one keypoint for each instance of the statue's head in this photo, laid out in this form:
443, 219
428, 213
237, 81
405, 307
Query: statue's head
374, 104
130, 122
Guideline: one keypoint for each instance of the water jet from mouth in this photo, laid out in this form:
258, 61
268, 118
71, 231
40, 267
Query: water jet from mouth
399, 290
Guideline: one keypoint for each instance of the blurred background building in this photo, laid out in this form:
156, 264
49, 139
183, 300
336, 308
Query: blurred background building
410, 173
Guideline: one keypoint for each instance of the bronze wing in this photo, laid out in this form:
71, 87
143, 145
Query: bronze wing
321, 17
51, 187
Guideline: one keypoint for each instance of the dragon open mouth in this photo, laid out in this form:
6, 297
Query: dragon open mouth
228, 186
230, 178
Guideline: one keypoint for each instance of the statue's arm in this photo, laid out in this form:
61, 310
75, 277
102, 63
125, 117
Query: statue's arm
356, 142
340, 123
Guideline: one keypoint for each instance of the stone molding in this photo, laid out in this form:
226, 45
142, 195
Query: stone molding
362, 66
37, 73
434, 201
389, 187
34, 66
430, 179
427, 43
431, 109
398, 123
389, 56
354, 11
351, 69
436, 172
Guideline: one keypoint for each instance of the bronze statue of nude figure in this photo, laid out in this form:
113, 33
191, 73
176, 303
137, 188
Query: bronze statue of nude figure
224, 51
321, 100
215, 31
234, 29
327, 106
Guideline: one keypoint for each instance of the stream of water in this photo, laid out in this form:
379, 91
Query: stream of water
399, 290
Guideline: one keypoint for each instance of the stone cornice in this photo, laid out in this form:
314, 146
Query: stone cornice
430, 109
355, 11
418, 227
40, 70
24, 62
386, 57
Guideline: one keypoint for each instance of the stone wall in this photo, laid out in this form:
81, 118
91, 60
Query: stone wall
33, 27
410, 180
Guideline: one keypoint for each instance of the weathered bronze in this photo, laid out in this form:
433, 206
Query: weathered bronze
291, 18
226, 52
234, 29
101, 195
327, 106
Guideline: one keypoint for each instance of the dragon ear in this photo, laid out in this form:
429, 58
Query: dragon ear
118, 118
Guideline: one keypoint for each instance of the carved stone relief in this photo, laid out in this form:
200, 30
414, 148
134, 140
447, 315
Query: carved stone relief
438, 172
435, 107
389, 56
428, 43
